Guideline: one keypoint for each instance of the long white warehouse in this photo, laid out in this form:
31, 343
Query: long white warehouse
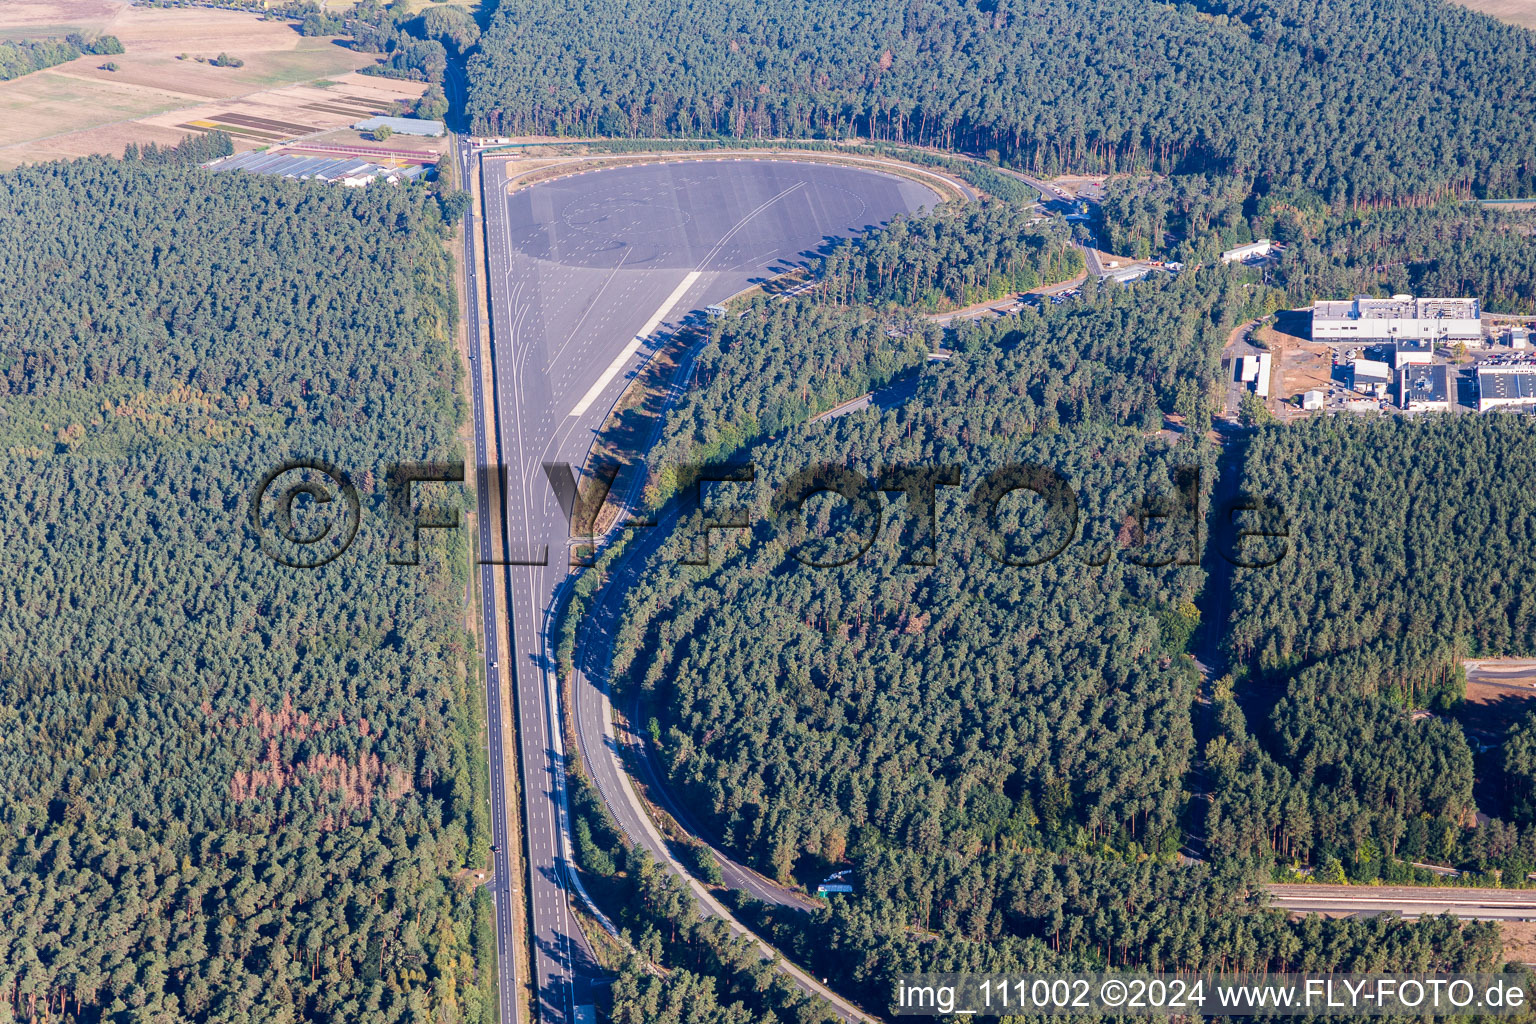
1402, 316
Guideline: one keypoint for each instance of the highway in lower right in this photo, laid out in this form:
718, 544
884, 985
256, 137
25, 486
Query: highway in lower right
1408, 901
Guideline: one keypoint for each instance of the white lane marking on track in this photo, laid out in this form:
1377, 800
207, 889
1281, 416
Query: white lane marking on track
702, 265
634, 344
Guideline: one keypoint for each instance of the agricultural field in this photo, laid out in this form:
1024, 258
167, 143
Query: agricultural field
275, 115
1516, 12
160, 90
31, 19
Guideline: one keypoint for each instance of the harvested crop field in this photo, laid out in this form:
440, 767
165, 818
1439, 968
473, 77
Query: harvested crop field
1516, 12
54, 101
161, 91
32, 19
110, 138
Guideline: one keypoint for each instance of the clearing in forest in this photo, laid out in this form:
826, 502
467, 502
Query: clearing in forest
1500, 691
1490, 679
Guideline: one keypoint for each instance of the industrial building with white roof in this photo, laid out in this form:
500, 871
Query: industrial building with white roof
1504, 386
1364, 319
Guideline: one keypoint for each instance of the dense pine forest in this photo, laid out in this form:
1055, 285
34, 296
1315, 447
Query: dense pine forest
230, 790
752, 377
1408, 556
1000, 753
1452, 248
1186, 217
961, 254
1365, 101
1399, 529
1455, 249
878, 707
233, 790
973, 740
682, 969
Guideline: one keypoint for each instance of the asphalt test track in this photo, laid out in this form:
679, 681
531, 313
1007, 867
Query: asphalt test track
586, 274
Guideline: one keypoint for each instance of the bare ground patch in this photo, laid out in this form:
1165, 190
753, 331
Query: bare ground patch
394, 144
1492, 680
1519, 941
1299, 365
1500, 691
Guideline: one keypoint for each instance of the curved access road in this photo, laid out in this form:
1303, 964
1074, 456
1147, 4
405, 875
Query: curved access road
605, 753
585, 274
610, 754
